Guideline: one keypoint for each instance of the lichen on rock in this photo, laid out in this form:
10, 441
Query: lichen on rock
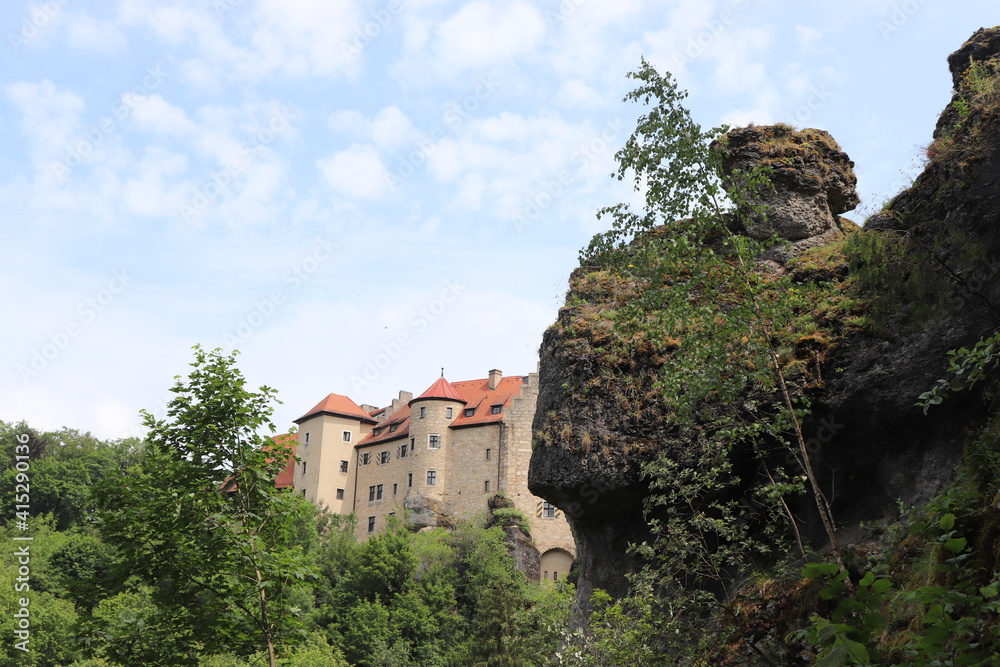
812, 179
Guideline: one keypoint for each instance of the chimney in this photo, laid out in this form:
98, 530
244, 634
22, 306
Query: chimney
495, 376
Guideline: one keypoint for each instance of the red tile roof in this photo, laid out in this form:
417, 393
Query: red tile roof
285, 477
441, 389
477, 396
340, 406
401, 420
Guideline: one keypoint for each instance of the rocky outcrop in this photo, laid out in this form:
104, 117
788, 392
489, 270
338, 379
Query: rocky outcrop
423, 512
599, 416
812, 179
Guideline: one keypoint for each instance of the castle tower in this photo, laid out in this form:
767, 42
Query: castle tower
327, 435
431, 416
433, 460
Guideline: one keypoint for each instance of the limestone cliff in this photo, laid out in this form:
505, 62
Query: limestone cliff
927, 285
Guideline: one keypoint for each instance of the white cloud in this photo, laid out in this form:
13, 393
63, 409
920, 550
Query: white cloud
88, 33
348, 120
300, 39
155, 114
149, 190
50, 117
307, 37
807, 37
484, 33
357, 172
389, 129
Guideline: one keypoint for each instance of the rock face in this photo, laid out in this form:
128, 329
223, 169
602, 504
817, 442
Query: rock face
600, 417
813, 179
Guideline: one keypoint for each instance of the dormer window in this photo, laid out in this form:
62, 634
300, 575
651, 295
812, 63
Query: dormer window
392, 429
469, 412
495, 410
376, 432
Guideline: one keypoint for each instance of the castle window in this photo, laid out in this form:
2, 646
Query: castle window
432, 477
448, 413
371, 493
307, 438
383, 457
303, 468
469, 412
486, 486
423, 412
555, 575
488, 452
394, 488
495, 410
371, 525
433, 441
548, 510
340, 494
366, 458
402, 451
343, 466
303, 493
378, 492
409, 480
346, 436
546, 575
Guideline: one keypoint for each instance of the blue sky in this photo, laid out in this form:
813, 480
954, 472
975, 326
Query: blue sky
356, 194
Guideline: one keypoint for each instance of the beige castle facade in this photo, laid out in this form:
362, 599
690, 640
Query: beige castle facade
434, 459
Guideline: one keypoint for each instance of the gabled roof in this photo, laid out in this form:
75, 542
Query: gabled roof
338, 406
478, 396
442, 389
401, 422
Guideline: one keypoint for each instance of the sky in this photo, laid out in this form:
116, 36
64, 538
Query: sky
356, 194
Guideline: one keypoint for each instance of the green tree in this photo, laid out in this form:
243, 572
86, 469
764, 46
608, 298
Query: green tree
725, 331
65, 466
201, 520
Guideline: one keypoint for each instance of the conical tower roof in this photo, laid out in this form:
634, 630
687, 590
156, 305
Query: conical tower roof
440, 390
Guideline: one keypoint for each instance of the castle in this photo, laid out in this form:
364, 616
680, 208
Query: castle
435, 459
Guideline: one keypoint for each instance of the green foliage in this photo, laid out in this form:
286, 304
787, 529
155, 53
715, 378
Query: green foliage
847, 636
725, 338
201, 520
966, 367
65, 466
511, 516
977, 97
907, 278
951, 619
621, 632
